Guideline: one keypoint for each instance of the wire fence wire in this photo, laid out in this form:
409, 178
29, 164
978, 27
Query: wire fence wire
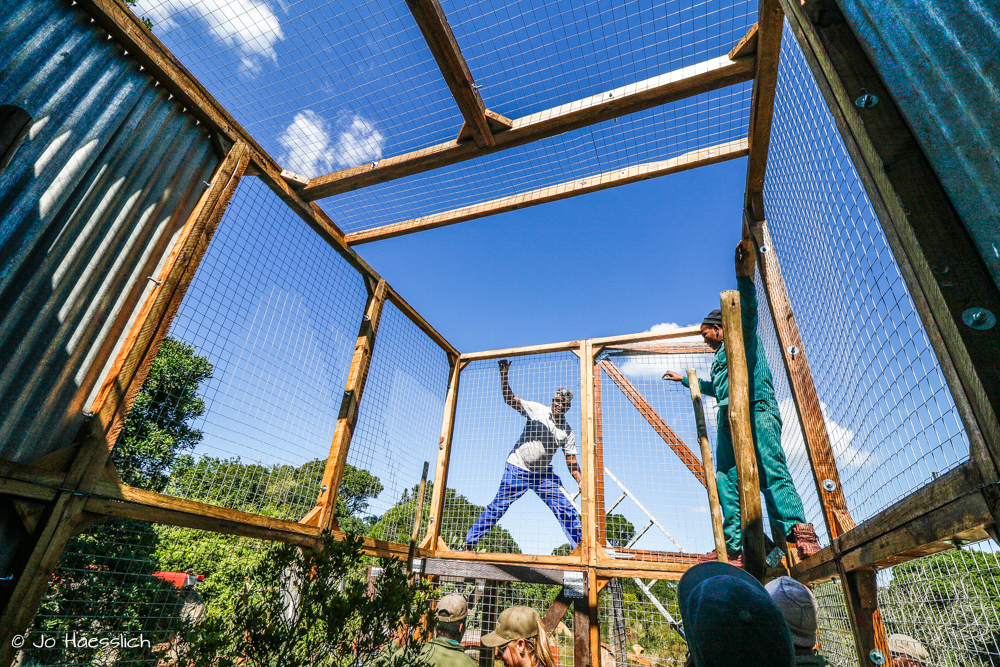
653, 499
243, 399
639, 621
891, 418
399, 425
487, 599
485, 433
836, 640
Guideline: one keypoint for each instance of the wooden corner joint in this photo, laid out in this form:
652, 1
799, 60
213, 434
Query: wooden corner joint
495, 121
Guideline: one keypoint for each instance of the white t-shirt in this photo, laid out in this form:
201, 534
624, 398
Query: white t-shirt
540, 439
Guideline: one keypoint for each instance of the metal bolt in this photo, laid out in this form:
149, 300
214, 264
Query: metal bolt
158, 282
979, 319
477, 86
374, 163
940, 270
866, 100
829, 485
324, 488
88, 415
764, 250
877, 657
792, 350
440, 447
365, 318
956, 542
207, 184
431, 521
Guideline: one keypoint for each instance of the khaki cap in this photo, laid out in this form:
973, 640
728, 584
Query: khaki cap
907, 645
514, 623
452, 608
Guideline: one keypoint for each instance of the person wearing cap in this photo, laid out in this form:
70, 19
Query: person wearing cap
730, 620
784, 506
445, 650
906, 651
520, 639
529, 465
799, 608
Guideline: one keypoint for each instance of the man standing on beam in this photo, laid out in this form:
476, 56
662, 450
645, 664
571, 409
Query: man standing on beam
784, 506
529, 465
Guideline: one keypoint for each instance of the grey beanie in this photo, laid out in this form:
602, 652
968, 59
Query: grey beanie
564, 394
799, 607
714, 318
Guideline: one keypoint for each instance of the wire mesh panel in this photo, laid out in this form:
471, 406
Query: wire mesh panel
499, 502
654, 494
640, 623
487, 599
399, 425
836, 640
891, 418
243, 399
947, 606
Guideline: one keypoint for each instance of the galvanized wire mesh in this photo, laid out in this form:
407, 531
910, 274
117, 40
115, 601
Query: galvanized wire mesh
836, 640
487, 599
949, 603
891, 417
486, 430
653, 500
252, 374
399, 422
639, 621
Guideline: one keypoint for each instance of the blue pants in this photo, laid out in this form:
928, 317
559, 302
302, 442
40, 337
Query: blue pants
514, 484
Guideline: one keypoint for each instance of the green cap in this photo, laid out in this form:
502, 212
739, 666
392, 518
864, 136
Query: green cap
514, 623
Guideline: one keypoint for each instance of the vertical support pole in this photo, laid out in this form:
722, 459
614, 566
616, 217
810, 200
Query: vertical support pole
751, 516
601, 519
861, 597
444, 457
589, 487
581, 634
593, 617
618, 627
715, 507
114, 399
800, 381
348, 418
488, 621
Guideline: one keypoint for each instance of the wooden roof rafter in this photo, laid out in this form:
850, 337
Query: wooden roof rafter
480, 122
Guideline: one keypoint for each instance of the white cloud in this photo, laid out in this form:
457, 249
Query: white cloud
665, 326
841, 438
313, 148
248, 26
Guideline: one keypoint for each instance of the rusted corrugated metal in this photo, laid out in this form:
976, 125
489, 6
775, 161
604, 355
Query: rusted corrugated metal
941, 61
89, 205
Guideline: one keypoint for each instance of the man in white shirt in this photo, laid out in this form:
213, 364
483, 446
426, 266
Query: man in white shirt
529, 465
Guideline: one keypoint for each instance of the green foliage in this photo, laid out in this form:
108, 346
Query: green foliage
145, 21
645, 625
313, 607
157, 429
619, 530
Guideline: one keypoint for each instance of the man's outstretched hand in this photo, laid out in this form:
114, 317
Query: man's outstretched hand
672, 376
745, 259
504, 365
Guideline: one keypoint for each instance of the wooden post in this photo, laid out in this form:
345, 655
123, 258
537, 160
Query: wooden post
602, 523
348, 418
588, 489
751, 517
714, 505
581, 634
444, 457
418, 516
800, 382
593, 618
861, 598
113, 401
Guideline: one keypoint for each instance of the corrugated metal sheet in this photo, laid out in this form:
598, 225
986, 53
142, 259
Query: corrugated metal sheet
89, 205
941, 60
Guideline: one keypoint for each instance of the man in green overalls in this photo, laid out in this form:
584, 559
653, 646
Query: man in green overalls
784, 507
445, 650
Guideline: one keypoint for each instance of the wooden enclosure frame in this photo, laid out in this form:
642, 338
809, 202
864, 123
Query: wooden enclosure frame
64, 492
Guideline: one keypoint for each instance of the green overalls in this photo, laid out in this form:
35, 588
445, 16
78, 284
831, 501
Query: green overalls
442, 652
784, 507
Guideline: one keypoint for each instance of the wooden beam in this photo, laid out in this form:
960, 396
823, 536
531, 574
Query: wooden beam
422, 324
916, 214
601, 518
348, 417
440, 39
715, 507
751, 517
444, 455
747, 46
664, 348
574, 188
590, 473
581, 633
861, 600
800, 382
556, 612
647, 336
520, 351
115, 397
770, 25
672, 86
493, 571
661, 427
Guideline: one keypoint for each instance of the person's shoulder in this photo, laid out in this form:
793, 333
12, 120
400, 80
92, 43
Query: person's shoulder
534, 410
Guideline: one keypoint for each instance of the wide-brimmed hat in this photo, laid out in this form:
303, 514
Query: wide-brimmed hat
514, 623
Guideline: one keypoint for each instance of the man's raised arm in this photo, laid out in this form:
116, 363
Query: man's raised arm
508, 394
745, 261
574, 468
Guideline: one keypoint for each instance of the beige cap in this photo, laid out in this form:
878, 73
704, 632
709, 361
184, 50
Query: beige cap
452, 608
514, 623
798, 606
907, 645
